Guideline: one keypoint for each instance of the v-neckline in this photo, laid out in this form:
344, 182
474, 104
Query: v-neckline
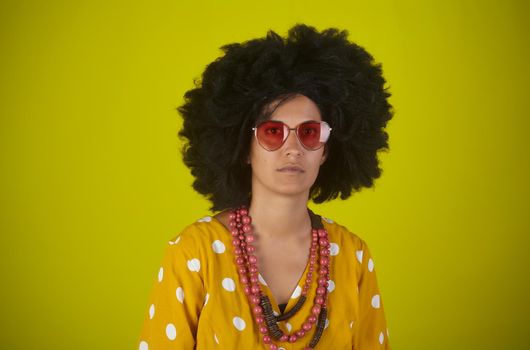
265, 287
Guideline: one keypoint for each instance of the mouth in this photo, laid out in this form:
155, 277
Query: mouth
293, 169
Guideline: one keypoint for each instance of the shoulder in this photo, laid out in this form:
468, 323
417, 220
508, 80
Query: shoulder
344, 241
339, 232
204, 231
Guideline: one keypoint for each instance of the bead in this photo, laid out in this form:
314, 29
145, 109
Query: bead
321, 290
260, 319
255, 299
247, 228
284, 338
242, 270
323, 242
234, 232
315, 309
249, 239
263, 330
246, 219
312, 319
235, 242
253, 269
244, 279
252, 259
255, 289
243, 212
248, 290
319, 300
240, 261
273, 346
307, 326
293, 338
266, 339
232, 215
322, 232
300, 333
257, 310
254, 279
232, 224
251, 249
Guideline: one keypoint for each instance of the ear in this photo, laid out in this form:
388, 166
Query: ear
324, 155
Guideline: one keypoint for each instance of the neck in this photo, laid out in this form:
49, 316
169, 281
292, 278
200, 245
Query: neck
280, 217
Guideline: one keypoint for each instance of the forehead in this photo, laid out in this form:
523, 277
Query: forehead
296, 110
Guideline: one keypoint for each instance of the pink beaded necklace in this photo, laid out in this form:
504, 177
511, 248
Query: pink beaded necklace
242, 238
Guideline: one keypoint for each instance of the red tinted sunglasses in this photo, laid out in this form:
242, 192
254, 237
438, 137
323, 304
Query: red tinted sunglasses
272, 134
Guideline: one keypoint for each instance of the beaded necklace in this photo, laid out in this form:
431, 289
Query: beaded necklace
242, 238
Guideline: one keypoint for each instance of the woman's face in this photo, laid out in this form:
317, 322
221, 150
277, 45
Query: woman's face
270, 169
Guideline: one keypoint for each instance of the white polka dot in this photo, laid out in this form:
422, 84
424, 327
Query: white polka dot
375, 301
229, 284
333, 249
194, 265
261, 280
160, 274
289, 327
180, 294
370, 265
206, 298
351, 324
297, 292
327, 220
171, 331
359, 254
327, 324
151, 311
331, 286
275, 313
218, 247
381, 338
239, 323
143, 345
175, 241
205, 219
215, 338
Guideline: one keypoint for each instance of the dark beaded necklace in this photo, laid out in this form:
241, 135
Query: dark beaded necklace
267, 322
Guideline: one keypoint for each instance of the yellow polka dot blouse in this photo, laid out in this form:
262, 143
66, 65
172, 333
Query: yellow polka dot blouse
197, 301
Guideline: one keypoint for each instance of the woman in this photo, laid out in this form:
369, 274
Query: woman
273, 123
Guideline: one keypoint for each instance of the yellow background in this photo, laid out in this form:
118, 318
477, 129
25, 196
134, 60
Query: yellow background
93, 185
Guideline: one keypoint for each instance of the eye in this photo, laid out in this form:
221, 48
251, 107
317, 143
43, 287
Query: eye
273, 130
309, 130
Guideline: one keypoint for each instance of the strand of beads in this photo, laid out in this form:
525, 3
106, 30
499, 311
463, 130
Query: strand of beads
242, 238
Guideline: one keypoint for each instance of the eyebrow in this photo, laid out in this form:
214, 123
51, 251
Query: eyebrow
305, 121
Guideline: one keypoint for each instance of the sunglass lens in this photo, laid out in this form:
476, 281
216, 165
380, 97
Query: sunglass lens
309, 135
271, 135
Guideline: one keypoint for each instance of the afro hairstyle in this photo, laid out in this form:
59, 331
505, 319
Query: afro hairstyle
236, 89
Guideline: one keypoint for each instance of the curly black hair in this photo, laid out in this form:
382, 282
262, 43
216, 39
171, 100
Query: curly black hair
338, 75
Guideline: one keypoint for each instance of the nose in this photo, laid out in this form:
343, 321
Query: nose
292, 145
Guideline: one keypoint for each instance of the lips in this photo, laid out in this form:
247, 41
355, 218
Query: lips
291, 169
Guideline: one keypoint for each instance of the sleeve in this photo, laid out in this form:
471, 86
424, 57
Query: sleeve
371, 330
176, 299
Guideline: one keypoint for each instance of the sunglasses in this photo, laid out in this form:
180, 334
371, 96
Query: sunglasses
272, 134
